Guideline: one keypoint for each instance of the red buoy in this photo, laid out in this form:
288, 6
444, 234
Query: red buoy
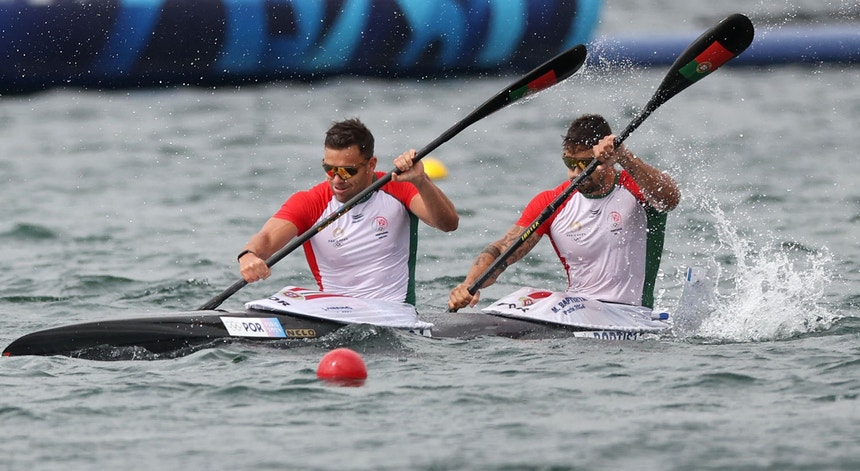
342, 366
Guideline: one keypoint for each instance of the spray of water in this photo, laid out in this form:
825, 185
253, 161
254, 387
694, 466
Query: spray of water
764, 290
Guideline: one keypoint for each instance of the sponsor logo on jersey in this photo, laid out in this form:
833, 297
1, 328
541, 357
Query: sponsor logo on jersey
338, 238
576, 231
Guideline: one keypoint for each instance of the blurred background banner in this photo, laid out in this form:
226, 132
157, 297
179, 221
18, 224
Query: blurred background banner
103, 44
138, 43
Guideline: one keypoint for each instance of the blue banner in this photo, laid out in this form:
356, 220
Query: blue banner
139, 43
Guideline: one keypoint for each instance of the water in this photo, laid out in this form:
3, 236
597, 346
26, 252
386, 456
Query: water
122, 204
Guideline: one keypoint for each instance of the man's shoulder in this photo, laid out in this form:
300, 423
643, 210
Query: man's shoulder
543, 199
626, 181
321, 191
305, 204
550, 194
401, 191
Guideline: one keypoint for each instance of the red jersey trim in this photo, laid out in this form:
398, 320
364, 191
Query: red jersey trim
305, 207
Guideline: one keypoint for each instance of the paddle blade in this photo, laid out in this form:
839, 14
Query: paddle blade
720, 44
549, 73
542, 77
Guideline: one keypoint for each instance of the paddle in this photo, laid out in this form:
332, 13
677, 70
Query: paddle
707, 53
544, 76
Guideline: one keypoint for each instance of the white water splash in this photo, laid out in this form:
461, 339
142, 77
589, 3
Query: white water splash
769, 292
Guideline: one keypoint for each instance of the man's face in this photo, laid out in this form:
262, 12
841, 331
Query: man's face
347, 172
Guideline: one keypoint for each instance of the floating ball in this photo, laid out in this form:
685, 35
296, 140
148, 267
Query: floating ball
342, 366
434, 168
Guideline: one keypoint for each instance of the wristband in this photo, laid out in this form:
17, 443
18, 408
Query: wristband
243, 253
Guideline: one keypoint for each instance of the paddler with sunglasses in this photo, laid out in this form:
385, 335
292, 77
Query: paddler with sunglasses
370, 251
608, 234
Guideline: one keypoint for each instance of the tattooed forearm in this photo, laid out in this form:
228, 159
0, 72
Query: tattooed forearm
492, 251
512, 237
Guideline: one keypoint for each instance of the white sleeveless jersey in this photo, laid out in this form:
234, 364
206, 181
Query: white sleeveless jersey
369, 252
610, 246
366, 252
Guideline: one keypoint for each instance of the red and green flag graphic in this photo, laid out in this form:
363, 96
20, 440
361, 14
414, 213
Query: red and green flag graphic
544, 81
708, 61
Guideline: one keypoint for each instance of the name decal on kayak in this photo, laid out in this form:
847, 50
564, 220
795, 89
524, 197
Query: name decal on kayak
569, 304
266, 327
615, 335
301, 333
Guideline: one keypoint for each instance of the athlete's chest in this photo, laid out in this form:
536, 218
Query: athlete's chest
379, 218
599, 222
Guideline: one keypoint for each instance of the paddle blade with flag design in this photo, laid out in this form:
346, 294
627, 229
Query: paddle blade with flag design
541, 77
720, 44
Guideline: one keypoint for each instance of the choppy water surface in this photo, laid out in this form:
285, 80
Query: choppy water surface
127, 203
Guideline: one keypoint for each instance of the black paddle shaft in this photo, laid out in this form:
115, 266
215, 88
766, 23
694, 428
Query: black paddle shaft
544, 76
707, 53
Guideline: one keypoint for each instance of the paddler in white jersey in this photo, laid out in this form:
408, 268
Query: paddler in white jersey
370, 251
609, 233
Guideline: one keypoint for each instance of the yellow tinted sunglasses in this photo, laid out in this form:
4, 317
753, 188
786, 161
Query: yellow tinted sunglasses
574, 164
345, 172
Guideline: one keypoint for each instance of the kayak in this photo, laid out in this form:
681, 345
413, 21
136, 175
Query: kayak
181, 334
296, 314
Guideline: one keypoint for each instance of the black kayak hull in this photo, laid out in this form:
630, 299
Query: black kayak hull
155, 334
191, 331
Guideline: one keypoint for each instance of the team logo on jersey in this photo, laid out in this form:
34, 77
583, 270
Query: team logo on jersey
615, 221
380, 227
380, 224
